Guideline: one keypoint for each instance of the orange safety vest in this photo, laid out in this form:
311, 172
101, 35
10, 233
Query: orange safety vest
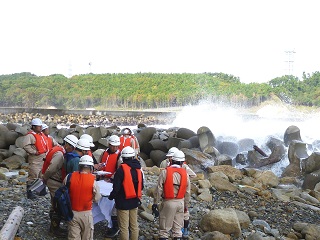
168, 187
124, 142
49, 156
49, 142
111, 162
128, 185
41, 143
81, 191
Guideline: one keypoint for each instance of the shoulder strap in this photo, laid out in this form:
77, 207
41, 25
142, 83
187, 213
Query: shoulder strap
68, 180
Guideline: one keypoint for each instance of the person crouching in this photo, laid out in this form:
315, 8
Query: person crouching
83, 190
127, 191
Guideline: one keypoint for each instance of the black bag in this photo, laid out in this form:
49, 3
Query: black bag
38, 188
62, 203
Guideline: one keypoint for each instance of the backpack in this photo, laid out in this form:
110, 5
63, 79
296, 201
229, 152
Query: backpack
62, 203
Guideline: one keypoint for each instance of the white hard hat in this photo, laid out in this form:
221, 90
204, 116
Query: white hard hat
87, 136
126, 131
114, 140
44, 126
71, 139
83, 144
128, 152
86, 160
172, 151
179, 156
36, 122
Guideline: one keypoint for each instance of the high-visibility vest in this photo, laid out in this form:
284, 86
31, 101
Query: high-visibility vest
81, 191
111, 160
128, 184
41, 143
49, 156
168, 187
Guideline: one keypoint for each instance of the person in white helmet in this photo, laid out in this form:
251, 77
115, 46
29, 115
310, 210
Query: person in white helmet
127, 192
109, 159
71, 163
83, 190
53, 174
165, 163
35, 144
174, 189
87, 136
127, 139
51, 142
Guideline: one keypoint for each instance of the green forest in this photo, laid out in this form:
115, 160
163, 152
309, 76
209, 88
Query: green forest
151, 90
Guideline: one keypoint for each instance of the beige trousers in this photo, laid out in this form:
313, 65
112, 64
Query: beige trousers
35, 166
128, 220
81, 226
171, 218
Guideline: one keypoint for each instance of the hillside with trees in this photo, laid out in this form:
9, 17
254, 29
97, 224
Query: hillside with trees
151, 90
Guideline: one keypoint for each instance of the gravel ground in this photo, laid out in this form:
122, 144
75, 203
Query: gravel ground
279, 215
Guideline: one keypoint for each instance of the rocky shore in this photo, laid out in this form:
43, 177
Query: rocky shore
258, 214
228, 202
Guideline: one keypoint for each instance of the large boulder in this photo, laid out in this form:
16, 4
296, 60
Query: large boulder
312, 163
228, 148
222, 220
185, 133
311, 179
206, 138
291, 133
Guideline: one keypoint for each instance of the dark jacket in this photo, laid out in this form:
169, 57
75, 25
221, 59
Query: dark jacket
118, 191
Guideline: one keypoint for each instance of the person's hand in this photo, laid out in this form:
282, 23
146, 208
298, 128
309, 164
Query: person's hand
155, 210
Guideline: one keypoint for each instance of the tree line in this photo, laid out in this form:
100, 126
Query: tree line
151, 90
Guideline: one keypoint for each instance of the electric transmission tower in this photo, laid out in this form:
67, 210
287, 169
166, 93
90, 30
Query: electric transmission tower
290, 61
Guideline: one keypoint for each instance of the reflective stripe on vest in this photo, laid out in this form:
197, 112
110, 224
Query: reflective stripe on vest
41, 143
128, 185
49, 142
168, 187
49, 156
111, 160
81, 191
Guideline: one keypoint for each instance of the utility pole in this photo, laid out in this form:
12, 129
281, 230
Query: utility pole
290, 61
90, 64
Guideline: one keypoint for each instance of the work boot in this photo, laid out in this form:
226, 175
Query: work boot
55, 228
30, 194
185, 229
114, 231
185, 233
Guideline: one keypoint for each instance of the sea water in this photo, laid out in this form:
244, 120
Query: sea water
232, 124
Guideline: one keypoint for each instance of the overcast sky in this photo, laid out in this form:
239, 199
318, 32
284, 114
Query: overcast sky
245, 38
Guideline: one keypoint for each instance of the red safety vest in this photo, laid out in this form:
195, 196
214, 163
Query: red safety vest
49, 142
49, 156
111, 162
41, 143
168, 187
126, 142
81, 191
128, 185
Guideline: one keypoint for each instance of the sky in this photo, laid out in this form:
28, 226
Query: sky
255, 40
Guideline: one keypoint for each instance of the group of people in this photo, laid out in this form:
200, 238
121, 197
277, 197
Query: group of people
73, 164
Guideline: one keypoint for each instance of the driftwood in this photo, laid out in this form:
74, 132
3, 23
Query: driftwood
11, 226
